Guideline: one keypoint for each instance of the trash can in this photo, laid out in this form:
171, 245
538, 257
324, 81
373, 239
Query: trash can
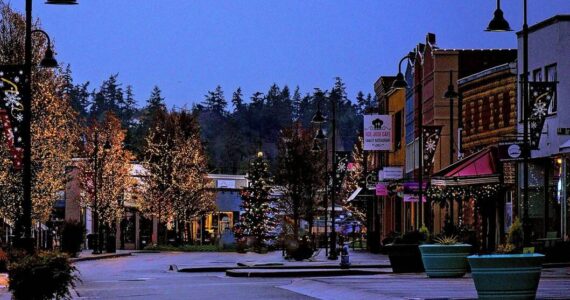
111, 246
91, 241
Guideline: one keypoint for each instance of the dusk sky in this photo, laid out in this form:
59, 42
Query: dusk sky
189, 47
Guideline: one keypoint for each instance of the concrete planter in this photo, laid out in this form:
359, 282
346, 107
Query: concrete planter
405, 258
445, 261
506, 276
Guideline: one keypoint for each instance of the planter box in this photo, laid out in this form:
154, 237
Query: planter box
405, 258
445, 260
506, 276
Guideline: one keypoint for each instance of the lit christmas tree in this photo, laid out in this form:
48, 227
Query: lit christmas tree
258, 219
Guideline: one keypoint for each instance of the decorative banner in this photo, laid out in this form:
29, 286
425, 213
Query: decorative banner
342, 167
377, 133
431, 136
381, 189
12, 109
540, 96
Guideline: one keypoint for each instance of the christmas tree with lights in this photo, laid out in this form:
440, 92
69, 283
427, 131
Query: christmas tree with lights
258, 217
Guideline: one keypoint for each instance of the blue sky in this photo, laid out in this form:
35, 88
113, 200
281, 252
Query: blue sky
189, 47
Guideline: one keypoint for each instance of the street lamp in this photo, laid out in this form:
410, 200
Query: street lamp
400, 83
26, 242
451, 94
321, 137
319, 118
499, 24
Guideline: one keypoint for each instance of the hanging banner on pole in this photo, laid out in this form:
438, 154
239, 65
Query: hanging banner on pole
377, 133
431, 136
12, 109
540, 96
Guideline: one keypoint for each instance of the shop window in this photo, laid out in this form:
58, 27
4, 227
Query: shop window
551, 75
398, 124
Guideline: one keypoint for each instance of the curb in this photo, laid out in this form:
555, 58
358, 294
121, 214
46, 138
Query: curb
98, 257
269, 267
301, 273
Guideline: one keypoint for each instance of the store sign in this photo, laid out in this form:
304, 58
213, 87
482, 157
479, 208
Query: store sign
511, 151
381, 189
226, 184
563, 131
413, 198
414, 187
391, 173
377, 133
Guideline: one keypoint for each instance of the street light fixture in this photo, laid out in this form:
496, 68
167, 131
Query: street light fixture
400, 82
499, 24
62, 2
26, 242
319, 118
49, 60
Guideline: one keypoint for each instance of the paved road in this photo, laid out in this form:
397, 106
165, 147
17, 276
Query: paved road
146, 276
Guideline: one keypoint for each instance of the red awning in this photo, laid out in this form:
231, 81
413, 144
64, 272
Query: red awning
478, 168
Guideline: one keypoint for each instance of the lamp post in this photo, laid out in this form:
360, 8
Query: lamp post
319, 118
400, 83
26, 220
499, 24
320, 136
451, 94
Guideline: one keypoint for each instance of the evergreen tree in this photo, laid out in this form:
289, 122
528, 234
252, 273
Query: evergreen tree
155, 103
215, 101
258, 219
109, 98
237, 100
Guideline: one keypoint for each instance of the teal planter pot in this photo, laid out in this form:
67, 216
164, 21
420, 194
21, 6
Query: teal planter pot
506, 276
444, 261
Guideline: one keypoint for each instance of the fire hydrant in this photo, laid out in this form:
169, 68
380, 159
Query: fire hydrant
344, 257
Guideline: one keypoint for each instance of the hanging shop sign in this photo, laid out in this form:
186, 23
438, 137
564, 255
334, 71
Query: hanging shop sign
12, 110
391, 173
377, 133
413, 198
431, 135
511, 151
541, 94
381, 189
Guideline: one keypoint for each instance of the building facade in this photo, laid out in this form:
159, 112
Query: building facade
549, 178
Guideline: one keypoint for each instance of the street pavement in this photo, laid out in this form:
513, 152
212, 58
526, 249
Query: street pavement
146, 276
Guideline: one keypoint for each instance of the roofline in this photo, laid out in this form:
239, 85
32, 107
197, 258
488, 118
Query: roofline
486, 72
545, 23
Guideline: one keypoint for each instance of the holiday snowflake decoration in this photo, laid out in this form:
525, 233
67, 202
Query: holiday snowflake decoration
430, 145
540, 109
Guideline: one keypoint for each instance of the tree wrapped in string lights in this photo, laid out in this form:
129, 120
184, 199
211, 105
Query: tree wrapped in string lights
258, 219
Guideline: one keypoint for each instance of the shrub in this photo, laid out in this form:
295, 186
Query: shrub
42, 276
72, 237
3, 261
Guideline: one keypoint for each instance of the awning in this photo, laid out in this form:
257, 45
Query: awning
354, 194
478, 168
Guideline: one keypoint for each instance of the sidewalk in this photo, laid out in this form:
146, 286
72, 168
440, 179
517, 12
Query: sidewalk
273, 264
88, 255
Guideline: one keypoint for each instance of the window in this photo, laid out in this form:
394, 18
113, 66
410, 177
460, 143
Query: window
398, 130
551, 75
537, 75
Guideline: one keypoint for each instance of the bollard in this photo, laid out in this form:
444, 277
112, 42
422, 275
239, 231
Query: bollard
344, 257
